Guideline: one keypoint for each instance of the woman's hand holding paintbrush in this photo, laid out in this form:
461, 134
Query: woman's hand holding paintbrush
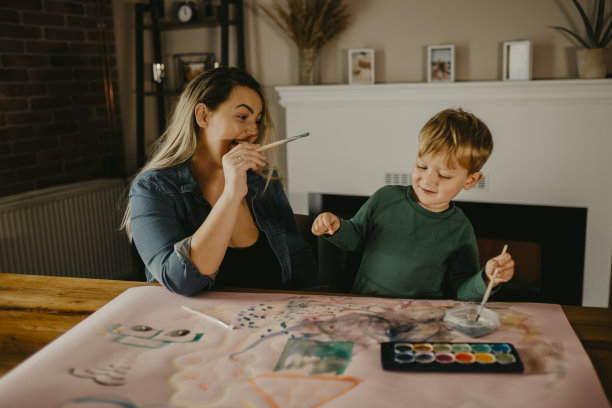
246, 156
239, 156
281, 142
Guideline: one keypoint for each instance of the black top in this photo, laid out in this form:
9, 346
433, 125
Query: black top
256, 266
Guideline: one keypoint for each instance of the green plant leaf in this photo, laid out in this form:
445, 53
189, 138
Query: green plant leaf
574, 35
591, 39
595, 34
601, 5
607, 36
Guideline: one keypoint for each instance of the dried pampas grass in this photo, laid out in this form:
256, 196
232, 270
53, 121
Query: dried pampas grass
309, 23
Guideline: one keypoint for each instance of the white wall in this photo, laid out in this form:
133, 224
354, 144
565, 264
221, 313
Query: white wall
552, 147
398, 30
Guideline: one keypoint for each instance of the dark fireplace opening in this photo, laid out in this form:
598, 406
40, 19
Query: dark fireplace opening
546, 242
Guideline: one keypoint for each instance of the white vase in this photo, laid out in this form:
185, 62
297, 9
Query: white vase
592, 62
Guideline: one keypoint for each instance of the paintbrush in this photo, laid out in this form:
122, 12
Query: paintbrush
207, 317
280, 142
489, 287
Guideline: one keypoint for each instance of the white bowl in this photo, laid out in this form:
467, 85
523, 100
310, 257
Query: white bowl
463, 320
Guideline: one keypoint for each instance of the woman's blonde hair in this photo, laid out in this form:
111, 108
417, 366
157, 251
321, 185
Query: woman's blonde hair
178, 143
464, 138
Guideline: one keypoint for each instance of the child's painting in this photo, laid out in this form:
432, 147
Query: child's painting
143, 349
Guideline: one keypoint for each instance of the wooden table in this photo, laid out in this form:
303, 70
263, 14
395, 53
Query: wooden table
34, 310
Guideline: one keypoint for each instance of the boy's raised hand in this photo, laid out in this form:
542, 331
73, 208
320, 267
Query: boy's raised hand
325, 223
505, 265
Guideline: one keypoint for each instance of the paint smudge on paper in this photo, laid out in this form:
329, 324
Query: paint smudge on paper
364, 325
313, 357
108, 401
206, 376
295, 390
147, 337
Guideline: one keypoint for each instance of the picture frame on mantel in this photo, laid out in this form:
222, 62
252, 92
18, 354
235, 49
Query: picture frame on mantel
361, 66
516, 61
441, 63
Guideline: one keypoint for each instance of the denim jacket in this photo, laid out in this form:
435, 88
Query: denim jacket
167, 207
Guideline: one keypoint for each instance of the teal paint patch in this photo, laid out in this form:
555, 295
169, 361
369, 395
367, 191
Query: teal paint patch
315, 357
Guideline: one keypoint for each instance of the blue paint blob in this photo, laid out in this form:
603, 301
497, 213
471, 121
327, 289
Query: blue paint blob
404, 358
500, 348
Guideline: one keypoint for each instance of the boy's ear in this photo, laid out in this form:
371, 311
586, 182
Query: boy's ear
472, 179
201, 115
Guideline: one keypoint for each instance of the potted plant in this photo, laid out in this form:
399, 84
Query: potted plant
309, 24
592, 59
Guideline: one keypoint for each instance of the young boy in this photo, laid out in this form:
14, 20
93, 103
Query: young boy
416, 242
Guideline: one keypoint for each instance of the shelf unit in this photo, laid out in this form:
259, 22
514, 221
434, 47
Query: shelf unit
154, 10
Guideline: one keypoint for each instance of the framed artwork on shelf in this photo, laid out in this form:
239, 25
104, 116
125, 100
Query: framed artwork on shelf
188, 66
441, 63
361, 66
516, 61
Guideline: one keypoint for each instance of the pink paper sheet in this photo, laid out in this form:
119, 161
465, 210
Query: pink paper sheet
143, 350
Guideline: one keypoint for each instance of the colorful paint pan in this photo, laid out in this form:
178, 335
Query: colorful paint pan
505, 358
461, 347
445, 358
480, 348
403, 348
501, 348
442, 348
451, 357
484, 358
464, 358
423, 347
424, 357
404, 358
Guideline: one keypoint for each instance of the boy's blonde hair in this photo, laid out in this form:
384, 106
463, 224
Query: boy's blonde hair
464, 138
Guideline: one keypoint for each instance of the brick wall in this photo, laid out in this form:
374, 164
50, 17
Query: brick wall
55, 127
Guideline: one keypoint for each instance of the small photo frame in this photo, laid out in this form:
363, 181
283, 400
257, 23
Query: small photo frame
361, 66
516, 61
441, 63
188, 66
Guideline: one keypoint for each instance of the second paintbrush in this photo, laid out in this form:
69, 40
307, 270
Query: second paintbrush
280, 142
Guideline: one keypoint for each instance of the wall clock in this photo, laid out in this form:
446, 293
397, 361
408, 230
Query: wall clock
186, 11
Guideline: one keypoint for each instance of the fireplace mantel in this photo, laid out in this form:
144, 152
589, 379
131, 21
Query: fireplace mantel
560, 91
553, 143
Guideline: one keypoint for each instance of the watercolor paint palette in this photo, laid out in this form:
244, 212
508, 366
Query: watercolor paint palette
451, 357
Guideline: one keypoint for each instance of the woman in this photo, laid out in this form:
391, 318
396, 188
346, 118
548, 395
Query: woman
207, 209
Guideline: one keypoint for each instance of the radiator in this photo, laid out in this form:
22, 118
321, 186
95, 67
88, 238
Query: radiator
69, 230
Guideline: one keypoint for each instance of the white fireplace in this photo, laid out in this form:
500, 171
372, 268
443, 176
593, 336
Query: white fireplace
553, 146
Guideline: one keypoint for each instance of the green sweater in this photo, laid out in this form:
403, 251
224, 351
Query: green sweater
410, 252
